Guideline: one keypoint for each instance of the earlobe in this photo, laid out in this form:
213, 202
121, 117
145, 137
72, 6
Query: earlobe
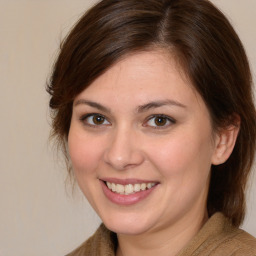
224, 143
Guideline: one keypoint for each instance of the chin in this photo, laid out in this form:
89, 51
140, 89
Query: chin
131, 226
126, 229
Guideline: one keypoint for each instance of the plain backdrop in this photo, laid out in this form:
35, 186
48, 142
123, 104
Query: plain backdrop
38, 214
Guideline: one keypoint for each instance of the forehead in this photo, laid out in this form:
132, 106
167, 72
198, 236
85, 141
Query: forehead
143, 65
151, 73
141, 80
147, 64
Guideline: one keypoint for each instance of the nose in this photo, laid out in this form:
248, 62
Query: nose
123, 150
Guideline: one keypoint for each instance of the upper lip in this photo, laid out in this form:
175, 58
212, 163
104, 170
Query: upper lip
127, 181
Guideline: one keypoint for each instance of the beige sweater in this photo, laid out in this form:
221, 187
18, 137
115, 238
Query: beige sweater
217, 238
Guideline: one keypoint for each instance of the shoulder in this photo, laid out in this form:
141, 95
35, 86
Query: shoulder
231, 241
103, 242
236, 242
243, 242
219, 238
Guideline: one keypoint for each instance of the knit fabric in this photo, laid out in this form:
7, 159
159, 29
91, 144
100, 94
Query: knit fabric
217, 238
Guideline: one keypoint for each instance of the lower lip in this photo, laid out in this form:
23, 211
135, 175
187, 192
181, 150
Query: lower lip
126, 199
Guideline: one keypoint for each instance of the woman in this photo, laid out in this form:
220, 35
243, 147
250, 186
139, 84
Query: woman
152, 104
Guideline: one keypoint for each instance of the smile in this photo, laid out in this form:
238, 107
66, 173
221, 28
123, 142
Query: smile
129, 188
127, 192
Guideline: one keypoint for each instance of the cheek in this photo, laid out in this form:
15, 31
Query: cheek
185, 153
83, 154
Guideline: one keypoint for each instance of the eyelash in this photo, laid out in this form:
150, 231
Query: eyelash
166, 119
84, 119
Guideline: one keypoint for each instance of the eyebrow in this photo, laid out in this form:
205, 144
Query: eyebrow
157, 104
141, 108
92, 104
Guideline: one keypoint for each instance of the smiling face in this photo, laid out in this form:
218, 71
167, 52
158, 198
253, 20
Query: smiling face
141, 145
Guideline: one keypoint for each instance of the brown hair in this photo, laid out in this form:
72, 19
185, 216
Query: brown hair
208, 50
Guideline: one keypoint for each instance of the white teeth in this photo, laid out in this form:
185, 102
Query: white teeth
129, 188
143, 186
109, 185
136, 187
119, 189
113, 188
149, 185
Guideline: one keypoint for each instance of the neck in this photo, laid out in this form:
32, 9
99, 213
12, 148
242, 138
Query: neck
167, 241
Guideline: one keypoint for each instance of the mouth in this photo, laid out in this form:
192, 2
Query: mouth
127, 192
129, 189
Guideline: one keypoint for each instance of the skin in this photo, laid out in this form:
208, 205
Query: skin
128, 143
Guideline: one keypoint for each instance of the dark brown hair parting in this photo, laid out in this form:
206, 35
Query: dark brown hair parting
208, 50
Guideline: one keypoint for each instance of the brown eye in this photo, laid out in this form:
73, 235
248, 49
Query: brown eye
98, 120
94, 120
160, 121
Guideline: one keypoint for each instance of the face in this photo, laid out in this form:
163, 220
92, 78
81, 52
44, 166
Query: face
141, 144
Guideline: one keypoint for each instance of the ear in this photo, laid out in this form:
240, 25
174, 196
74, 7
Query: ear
225, 141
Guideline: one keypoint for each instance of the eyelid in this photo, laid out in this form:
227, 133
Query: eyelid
83, 119
168, 118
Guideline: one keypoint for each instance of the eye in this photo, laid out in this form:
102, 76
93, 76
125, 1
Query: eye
160, 121
94, 120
